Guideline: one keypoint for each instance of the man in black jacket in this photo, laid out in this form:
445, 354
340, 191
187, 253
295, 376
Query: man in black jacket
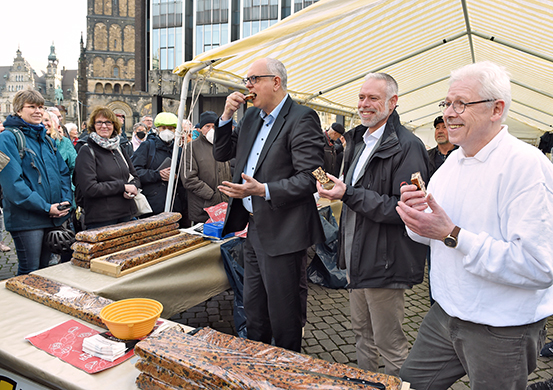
438, 154
381, 260
152, 161
334, 149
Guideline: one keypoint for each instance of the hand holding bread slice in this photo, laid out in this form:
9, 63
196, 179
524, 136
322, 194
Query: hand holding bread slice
322, 178
416, 179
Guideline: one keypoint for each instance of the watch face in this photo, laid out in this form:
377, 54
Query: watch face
450, 242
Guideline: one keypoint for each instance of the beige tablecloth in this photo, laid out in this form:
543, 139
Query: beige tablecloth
21, 317
178, 283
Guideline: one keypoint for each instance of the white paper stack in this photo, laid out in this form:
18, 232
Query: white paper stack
104, 348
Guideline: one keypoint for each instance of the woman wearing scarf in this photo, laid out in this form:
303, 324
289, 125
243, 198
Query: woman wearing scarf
139, 132
35, 181
105, 178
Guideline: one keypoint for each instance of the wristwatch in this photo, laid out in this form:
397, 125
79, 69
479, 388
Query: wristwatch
451, 240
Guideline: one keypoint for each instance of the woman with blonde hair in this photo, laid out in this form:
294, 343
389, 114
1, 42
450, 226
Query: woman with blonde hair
64, 144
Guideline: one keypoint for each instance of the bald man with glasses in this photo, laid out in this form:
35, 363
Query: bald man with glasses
277, 145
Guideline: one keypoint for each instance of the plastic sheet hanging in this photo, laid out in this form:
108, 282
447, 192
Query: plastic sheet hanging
323, 269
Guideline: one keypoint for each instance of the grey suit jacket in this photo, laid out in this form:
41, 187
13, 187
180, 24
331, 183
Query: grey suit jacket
289, 222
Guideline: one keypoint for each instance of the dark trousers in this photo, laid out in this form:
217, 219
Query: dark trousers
272, 294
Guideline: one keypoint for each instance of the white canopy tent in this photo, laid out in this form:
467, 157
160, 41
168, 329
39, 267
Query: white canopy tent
329, 46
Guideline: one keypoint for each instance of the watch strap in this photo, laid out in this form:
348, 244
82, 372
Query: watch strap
455, 232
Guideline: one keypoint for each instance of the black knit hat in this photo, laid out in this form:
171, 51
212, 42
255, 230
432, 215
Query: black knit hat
208, 117
338, 128
438, 120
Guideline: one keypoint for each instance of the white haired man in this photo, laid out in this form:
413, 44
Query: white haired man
487, 218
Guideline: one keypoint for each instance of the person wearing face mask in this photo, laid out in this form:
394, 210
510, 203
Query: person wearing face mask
139, 132
201, 174
153, 166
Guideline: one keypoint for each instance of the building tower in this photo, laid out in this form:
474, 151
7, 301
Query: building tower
110, 60
53, 78
82, 85
19, 77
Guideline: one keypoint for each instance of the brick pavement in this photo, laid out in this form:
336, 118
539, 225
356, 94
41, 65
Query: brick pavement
328, 332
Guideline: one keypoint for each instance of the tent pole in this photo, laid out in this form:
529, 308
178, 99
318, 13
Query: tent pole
178, 133
315, 105
384, 66
419, 107
469, 32
531, 118
530, 107
522, 49
544, 93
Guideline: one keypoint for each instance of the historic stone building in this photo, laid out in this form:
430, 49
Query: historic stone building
170, 32
107, 64
57, 86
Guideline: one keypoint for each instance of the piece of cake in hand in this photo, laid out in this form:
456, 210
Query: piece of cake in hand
416, 179
322, 178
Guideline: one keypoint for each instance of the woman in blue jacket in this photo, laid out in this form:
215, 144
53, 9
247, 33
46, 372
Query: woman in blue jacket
35, 181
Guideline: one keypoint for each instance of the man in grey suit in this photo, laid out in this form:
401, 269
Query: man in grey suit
277, 145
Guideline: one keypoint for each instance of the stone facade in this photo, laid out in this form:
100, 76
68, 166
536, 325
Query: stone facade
57, 86
107, 64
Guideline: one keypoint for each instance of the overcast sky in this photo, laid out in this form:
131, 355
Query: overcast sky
32, 25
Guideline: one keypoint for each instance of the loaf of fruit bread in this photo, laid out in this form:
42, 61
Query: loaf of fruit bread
152, 251
126, 228
167, 376
80, 263
80, 304
94, 247
127, 245
146, 382
225, 361
284, 356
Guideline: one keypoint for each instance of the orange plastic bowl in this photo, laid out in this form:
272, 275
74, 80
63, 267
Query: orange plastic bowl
131, 319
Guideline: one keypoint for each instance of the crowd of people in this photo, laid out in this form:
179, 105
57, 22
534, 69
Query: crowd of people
58, 181
483, 225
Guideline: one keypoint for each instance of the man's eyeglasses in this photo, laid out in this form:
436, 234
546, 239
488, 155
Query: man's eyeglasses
255, 79
100, 123
32, 107
459, 106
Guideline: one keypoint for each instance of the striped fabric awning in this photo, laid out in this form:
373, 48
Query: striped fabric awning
329, 46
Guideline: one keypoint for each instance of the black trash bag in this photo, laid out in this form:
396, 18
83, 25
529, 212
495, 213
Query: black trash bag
545, 385
323, 269
233, 259
547, 350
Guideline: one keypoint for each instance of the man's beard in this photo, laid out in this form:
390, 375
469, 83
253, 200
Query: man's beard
379, 115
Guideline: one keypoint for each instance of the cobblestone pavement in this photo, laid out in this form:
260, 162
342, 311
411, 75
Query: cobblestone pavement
328, 332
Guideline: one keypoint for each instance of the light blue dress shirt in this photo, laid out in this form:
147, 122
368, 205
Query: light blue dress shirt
251, 164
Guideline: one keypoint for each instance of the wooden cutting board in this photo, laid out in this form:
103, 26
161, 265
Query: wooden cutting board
99, 265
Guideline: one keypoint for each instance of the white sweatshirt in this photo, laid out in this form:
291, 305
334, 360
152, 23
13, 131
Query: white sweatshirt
501, 273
